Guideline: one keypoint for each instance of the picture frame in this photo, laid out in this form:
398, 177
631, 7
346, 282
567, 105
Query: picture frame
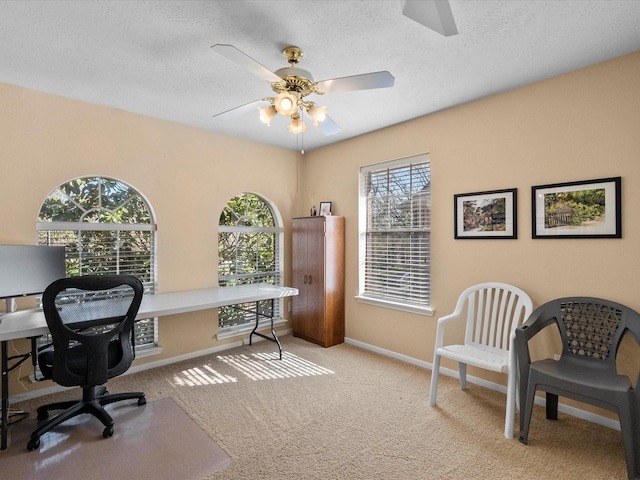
582, 209
486, 215
325, 209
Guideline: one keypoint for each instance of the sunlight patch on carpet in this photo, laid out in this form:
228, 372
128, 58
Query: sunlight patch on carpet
202, 376
257, 366
268, 366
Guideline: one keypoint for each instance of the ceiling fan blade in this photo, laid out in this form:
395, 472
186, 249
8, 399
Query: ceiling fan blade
237, 111
329, 127
357, 82
434, 14
244, 60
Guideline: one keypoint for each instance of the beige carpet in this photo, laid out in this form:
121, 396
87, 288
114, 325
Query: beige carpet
145, 437
346, 413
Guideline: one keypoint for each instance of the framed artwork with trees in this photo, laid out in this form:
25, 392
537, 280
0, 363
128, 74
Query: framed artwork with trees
486, 214
583, 209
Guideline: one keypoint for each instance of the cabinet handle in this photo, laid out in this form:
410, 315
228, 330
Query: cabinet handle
310, 279
305, 279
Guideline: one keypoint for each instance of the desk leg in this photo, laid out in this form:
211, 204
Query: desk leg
5, 396
273, 337
18, 359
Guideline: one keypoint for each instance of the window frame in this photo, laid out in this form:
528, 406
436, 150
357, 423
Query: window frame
363, 295
142, 327
278, 273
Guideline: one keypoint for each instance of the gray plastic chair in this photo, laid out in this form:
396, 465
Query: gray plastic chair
591, 330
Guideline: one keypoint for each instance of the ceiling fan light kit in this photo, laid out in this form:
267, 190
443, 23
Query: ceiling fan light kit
292, 84
296, 84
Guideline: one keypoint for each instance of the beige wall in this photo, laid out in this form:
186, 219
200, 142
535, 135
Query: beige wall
579, 126
187, 175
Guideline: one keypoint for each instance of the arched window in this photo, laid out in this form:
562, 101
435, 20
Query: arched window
249, 251
107, 227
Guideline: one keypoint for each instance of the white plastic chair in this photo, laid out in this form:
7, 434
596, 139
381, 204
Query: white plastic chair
494, 310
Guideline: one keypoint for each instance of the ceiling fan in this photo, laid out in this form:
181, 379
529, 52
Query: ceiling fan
433, 14
292, 85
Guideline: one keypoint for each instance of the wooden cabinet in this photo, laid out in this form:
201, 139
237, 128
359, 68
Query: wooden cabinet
318, 274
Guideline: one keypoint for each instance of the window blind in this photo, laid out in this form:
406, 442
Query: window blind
110, 252
397, 257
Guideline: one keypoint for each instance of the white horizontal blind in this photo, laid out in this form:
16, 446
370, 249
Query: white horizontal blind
90, 252
398, 231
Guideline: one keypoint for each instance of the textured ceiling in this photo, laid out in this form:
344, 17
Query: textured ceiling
153, 57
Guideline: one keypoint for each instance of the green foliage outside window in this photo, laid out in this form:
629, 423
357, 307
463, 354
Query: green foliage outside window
247, 253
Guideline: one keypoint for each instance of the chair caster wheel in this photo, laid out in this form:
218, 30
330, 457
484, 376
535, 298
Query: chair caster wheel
33, 444
107, 432
142, 401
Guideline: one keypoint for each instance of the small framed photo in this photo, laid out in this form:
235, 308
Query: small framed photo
584, 209
325, 209
486, 214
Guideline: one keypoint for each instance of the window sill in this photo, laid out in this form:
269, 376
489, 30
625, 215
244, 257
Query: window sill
428, 311
240, 330
148, 351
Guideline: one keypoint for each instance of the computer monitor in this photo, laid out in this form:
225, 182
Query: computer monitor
29, 269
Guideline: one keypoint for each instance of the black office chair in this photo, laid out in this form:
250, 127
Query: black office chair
91, 322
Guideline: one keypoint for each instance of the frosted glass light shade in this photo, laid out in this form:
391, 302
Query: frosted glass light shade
286, 103
296, 126
266, 114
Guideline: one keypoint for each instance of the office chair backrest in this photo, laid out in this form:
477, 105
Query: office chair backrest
94, 314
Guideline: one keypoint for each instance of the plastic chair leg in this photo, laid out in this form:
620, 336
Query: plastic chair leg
434, 380
511, 406
526, 408
552, 406
628, 434
462, 368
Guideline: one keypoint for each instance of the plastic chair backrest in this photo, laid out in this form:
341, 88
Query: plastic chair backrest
592, 328
90, 313
494, 310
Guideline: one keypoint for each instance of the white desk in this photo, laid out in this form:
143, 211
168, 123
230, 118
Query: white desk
31, 323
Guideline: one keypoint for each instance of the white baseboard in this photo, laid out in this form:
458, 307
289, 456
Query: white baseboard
576, 412
146, 366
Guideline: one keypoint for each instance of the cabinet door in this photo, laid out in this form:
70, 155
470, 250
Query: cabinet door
315, 279
299, 274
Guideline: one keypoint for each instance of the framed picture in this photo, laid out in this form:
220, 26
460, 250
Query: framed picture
585, 209
325, 208
486, 214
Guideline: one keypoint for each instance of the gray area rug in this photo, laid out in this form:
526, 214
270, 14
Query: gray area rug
155, 441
